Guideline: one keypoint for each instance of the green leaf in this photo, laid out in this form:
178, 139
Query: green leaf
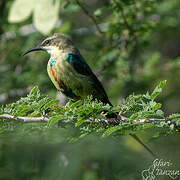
171, 127
158, 89
53, 120
157, 106
80, 121
162, 124
152, 103
110, 130
160, 112
49, 104
134, 116
84, 135
22, 110
174, 117
34, 91
69, 104
75, 104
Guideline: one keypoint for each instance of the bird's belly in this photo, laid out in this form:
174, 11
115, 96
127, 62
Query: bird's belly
80, 85
53, 76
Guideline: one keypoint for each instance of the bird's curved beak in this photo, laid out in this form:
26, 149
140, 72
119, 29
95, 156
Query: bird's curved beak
38, 48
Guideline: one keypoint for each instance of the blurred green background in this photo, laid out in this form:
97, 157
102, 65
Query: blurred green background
137, 48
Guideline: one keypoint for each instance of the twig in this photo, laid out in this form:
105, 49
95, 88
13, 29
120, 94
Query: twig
126, 22
90, 16
132, 32
105, 122
110, 121
25, 119
122, 119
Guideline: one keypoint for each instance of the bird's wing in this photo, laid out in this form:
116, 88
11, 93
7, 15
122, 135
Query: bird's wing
79, 64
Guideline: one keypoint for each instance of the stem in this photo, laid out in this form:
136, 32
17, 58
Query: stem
90, 16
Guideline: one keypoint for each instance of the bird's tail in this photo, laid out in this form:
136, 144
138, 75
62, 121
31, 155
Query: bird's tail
146, 147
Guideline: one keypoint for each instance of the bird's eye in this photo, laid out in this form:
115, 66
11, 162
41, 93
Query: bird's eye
46, 42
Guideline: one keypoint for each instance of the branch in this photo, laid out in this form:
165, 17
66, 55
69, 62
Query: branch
90, 16
122, 119
110, 121
132, 33
25, 119
106, 122
131, 30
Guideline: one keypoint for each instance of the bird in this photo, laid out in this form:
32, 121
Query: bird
68, 70
71, 74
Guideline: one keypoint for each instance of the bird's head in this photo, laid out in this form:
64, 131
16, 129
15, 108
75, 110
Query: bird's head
54, 44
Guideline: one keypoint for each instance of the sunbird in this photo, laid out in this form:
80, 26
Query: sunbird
68, 70
71, 74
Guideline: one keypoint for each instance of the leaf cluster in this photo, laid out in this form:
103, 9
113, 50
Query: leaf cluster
90, 116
